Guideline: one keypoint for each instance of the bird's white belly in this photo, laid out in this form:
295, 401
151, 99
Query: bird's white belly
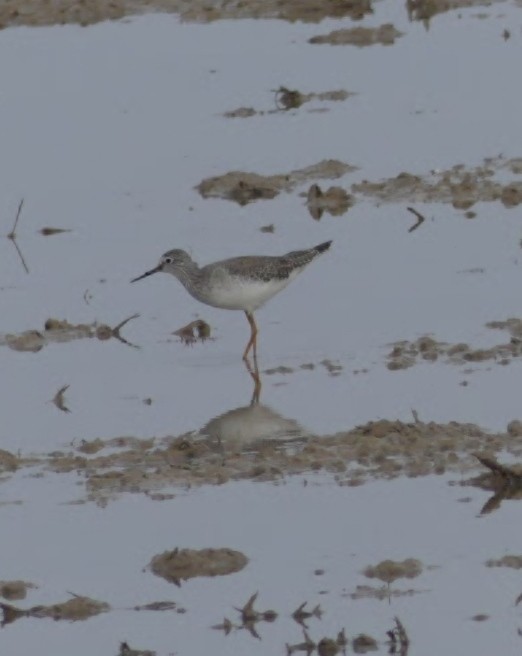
249, 295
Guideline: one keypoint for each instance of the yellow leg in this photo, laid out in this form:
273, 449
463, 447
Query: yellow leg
252, 342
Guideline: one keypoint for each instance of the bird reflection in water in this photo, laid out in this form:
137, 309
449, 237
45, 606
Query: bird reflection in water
252, 426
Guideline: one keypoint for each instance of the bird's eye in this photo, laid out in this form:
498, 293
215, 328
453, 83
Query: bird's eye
167, 260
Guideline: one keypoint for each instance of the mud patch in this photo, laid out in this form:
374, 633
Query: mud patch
61, 12
306, 11
8, 461
76, 609
335, 201
360, 36
510, 561
389, 571
460, 186
15, 589
380, 593
182, 564
57, 331
333, 368
195, 331
405, 354
425, 10
160, 606
377, 450
244, 188
126, 650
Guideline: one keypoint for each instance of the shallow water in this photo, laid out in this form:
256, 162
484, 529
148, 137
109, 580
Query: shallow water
288, 532
107, 131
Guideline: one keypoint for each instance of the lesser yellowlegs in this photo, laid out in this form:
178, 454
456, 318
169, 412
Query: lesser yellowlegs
240, 283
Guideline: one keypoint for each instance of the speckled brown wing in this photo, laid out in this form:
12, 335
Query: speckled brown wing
265, 268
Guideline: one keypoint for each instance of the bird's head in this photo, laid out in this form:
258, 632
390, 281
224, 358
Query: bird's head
170, 262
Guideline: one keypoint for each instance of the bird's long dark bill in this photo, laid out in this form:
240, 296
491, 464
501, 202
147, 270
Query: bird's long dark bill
147, 273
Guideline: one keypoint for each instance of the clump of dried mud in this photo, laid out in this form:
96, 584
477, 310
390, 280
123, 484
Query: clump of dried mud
360, 36
510, 561
376, 450
182, 564
425, 10
461, 186
334, 201
391, 570
59, 331
8, 461
405, 354
75, 609
59, 12
15, 589
242, 187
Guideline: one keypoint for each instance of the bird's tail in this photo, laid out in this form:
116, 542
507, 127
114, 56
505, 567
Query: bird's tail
321, 248
299, 259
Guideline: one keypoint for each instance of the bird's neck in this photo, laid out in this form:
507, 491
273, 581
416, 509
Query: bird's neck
189, 276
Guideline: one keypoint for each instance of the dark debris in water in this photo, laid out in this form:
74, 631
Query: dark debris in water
287, 99
159, 606
49, 232
126, 650
250, 616
301, 614
59, 399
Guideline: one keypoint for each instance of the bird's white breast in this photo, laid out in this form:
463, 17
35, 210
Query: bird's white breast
234, 293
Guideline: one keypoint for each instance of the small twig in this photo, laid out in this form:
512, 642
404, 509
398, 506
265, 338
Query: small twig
507, 473
398, 639
401, 632
248, 613
59, 400
116, 331
12, 234
13, 240
420, 218
226, 626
